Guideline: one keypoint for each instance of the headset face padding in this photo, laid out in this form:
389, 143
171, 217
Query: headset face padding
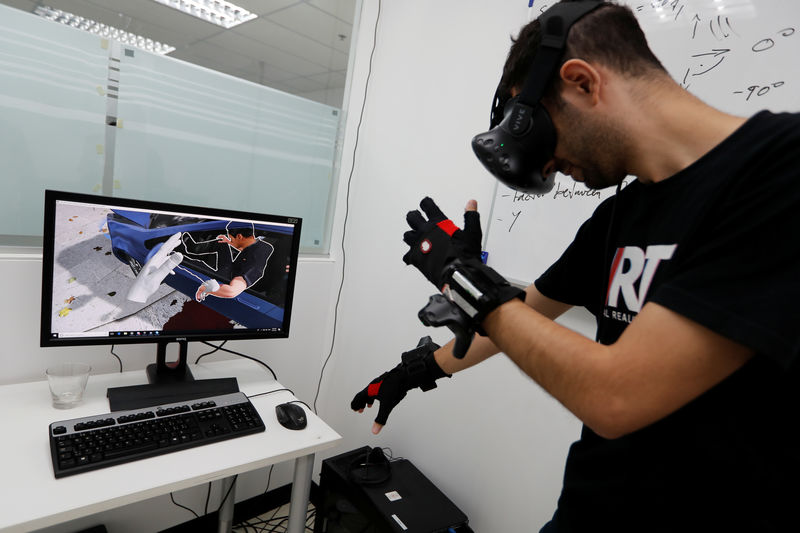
517, 150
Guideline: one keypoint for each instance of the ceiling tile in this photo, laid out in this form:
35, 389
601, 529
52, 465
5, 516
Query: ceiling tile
280, 38
344, 10
24, 5
293, 45
265, 7
330, 79
262, 52
313, 23
205, 52
304, 85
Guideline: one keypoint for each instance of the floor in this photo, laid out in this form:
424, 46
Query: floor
274, 521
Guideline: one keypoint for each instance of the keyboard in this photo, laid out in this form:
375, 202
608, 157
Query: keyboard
93, 442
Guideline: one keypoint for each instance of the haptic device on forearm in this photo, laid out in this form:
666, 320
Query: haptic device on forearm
472, 291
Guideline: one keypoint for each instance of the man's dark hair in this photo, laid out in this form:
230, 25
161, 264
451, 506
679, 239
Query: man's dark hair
609, 35
244, 231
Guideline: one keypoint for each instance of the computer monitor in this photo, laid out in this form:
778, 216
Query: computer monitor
123, 271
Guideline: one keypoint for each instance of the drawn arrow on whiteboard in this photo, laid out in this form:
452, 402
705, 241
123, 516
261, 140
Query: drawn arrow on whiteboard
714, 52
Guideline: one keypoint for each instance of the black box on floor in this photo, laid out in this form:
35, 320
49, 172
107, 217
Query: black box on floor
361, 494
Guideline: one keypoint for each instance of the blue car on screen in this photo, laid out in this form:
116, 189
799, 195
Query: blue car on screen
195, 250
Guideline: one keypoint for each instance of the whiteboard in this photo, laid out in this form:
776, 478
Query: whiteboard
740, 56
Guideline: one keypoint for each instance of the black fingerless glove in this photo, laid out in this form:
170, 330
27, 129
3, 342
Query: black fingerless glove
436, 242
418, 368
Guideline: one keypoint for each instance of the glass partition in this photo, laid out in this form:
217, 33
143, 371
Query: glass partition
195, 136
52, 116
177, 132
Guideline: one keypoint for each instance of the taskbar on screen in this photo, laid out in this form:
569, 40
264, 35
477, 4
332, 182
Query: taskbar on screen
154, 333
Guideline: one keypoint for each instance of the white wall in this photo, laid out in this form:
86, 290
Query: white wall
490, 438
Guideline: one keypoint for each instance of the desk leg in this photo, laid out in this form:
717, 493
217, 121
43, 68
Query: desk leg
301, 488
225, 523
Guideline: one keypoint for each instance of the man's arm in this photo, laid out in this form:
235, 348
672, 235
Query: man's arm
661, 362
482, 348
229, 290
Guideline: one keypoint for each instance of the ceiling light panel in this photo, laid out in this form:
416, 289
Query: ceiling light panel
217, 12
103, 30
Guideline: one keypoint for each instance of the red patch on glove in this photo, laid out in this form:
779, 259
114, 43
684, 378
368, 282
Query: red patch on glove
373, 388
447, 226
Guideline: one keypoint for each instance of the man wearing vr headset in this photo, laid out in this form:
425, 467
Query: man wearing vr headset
690, 395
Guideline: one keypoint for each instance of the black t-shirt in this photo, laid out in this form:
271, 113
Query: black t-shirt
719, 243
251, 262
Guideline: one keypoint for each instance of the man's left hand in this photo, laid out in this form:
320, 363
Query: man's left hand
434, 243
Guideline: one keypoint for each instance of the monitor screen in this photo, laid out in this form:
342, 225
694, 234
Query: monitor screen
125, 271
121, 271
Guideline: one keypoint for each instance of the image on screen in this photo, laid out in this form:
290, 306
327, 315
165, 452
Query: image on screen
128, 272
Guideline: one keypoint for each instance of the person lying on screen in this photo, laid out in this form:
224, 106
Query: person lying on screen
249, 264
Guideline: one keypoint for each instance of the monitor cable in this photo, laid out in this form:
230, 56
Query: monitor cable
259, 361
269, 477
118, 358
208, 498
216, 349
269, 392
279, 390
172, 497
347, 206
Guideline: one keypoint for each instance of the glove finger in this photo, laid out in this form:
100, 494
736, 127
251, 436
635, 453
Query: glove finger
411, 237
359, 401
472, 225
472, 233
386, 407
415, 219
432, 210
472, 222
424, 341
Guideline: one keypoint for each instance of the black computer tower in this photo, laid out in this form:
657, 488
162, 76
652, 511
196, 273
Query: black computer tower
359, 494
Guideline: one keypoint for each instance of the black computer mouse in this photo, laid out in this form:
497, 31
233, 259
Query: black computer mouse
291, 416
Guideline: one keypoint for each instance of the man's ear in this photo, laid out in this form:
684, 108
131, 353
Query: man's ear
581, 79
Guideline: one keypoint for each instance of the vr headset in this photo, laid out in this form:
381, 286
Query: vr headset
522, 138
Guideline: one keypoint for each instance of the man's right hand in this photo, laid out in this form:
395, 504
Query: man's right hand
436, 241
388, 389
417, 369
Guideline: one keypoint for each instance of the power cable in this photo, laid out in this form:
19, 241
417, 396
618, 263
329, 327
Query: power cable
347, 205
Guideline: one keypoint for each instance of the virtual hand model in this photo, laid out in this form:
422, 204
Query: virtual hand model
155, 270
208, 286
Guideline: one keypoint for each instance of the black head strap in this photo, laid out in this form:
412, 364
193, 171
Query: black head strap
556, 23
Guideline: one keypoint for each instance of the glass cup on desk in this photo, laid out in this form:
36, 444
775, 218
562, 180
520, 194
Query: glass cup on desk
67, 382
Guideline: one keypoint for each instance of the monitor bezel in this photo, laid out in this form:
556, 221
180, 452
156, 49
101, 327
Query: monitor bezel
51, 197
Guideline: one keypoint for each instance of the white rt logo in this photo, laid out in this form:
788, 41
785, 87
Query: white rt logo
639, 264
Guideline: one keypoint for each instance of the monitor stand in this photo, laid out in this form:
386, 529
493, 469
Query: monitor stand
168, 383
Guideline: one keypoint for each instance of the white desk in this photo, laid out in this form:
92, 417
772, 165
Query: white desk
32, 498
